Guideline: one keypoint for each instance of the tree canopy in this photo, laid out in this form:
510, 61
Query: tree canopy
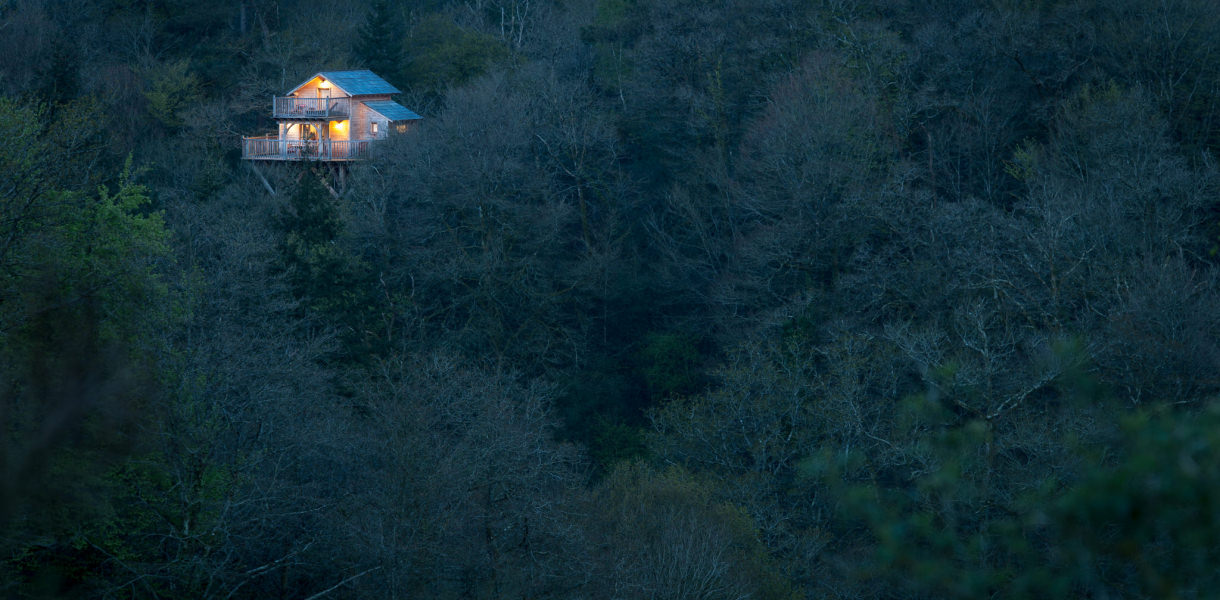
662, 298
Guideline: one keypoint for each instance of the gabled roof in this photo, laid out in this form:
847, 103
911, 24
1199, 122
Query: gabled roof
392, 110
355, 83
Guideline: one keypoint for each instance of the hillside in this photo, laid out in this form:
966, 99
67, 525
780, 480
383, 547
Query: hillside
659, 299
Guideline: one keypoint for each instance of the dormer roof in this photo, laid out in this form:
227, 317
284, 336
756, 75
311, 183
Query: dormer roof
355, 83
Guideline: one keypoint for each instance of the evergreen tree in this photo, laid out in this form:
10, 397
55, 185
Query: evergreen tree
334, 283
378, 45
61, 81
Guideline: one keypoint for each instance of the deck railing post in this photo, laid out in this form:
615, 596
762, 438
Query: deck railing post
275, 148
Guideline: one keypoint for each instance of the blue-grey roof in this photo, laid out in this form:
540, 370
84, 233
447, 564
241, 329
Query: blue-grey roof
356, 83
392, 110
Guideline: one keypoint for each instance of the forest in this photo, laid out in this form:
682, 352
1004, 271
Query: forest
662, 299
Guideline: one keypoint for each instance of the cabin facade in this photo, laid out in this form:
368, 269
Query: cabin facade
333, 116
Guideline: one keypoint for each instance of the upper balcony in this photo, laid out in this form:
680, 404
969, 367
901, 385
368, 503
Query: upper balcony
311, 108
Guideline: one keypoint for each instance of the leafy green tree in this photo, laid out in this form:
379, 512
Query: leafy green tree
1145, 524
1134, 517
671, 364
172, 88
440, 53
87, 304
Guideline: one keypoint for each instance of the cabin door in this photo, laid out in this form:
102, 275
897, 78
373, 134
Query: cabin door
324, 100
324, 96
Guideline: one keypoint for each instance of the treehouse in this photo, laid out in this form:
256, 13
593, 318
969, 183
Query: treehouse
334, 116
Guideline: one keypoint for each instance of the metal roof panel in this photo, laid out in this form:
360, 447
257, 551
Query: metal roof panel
355, 83
392, 110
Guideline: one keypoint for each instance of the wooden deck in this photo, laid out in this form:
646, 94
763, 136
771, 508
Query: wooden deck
311, 108
272, 148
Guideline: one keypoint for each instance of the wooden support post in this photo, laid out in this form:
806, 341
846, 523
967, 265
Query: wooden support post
321, 174
329, 189
266, 184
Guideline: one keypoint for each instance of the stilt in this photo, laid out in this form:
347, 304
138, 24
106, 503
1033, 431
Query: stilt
266, 184
321, 174
330, 189
324, 171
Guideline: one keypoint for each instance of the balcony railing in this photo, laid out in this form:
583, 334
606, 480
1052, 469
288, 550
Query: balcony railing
272, 148
311, 108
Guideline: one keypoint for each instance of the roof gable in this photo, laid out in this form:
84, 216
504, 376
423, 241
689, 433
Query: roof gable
392, 110
355, 83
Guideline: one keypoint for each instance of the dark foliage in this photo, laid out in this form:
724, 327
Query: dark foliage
664, 298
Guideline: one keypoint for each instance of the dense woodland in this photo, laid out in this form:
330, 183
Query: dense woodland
672, 299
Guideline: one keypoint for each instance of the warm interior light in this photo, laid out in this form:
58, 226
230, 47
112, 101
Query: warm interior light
324, 84
338, 130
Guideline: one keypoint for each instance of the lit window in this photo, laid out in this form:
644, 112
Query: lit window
373, 127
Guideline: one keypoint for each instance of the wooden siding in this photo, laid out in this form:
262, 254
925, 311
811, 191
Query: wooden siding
362, 115
310, 90
383, 126
352, 110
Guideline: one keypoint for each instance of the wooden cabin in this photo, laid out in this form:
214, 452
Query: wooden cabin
333, 116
